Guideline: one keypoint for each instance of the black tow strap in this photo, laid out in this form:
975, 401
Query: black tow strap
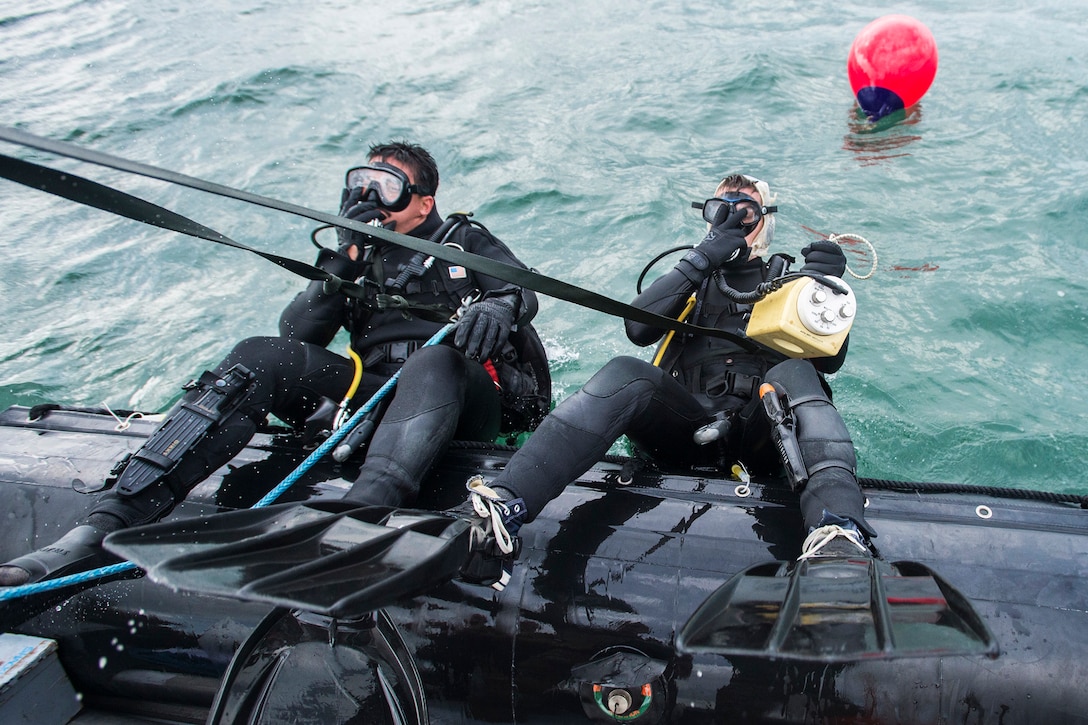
90, 193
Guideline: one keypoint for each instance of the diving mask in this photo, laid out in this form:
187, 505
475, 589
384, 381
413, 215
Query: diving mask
718, 209
387, 181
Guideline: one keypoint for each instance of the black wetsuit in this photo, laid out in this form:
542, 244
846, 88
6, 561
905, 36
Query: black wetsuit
660, 408
440, 393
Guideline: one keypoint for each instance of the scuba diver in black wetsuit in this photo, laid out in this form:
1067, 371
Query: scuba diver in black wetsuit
494, 374
701, 405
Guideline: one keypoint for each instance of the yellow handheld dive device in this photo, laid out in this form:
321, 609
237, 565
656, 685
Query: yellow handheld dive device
804, 318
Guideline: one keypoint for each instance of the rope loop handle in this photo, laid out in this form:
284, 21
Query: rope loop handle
837, 238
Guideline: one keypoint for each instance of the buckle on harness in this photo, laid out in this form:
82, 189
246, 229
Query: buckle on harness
734, 383
398, 352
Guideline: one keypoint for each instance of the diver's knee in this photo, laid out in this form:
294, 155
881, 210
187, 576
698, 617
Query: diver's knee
433, 361
619, 373
252, 350
796, 378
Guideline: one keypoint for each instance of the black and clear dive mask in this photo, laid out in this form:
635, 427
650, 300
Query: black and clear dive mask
718, 209
387, 181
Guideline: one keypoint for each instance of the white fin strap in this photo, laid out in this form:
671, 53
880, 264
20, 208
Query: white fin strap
487, 505
824, 535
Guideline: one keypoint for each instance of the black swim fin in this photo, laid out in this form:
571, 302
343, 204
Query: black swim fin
334, 558
837, 609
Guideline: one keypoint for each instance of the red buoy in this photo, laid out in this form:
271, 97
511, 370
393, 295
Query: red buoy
892, 63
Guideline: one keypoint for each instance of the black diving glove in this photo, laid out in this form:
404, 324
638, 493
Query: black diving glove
824, 257
722, 245
484, 327
353, 206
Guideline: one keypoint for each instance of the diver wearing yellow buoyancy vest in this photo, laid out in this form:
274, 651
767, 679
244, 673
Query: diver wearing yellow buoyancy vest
701, 406
444, 390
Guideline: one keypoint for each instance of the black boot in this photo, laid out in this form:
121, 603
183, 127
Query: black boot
835, 538
78, 550
494, 545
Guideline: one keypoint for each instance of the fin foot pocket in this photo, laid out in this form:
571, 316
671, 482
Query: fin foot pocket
841, 608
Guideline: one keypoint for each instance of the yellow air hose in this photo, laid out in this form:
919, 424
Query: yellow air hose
352, 388
668, 338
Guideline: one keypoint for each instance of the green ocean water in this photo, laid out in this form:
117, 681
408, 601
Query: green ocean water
579, 133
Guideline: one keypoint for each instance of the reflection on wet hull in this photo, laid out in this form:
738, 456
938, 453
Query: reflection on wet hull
587, 629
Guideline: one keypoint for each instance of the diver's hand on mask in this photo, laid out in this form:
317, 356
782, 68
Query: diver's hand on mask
724, 244
484, 327
824, 257
354, 207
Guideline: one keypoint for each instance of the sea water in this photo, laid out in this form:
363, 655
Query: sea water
579, 133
